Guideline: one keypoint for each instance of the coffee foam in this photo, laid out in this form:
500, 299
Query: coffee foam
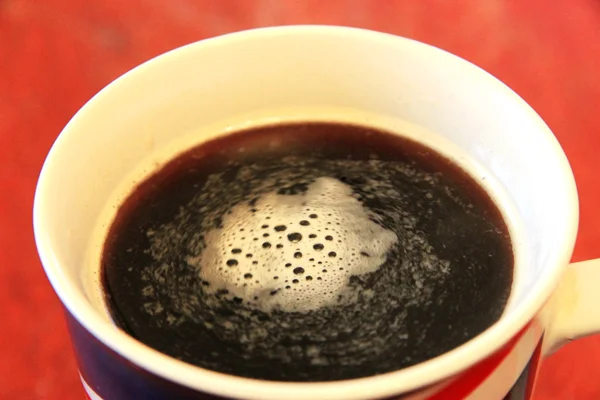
294, 252
299, 209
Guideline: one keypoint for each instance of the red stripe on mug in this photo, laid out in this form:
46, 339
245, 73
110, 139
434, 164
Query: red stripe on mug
470, 380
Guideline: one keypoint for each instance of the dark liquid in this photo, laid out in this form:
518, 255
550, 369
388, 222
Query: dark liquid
307, 252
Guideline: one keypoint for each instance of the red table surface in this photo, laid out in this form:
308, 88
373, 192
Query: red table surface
55, 54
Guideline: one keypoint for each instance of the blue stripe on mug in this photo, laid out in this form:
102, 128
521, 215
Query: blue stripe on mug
113, 377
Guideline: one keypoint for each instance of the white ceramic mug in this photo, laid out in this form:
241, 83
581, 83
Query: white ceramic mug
304, 72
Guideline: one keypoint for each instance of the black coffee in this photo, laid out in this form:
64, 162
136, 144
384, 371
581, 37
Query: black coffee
307, 252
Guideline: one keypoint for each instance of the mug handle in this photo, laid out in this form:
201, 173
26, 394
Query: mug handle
575, 307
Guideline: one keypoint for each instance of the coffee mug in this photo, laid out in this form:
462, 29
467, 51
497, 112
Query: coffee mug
300, 72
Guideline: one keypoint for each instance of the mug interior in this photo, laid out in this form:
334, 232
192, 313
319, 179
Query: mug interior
238, 79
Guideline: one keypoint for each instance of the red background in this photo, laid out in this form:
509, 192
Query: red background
55, 54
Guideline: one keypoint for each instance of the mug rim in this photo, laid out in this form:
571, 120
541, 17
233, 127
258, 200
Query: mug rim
392, 383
